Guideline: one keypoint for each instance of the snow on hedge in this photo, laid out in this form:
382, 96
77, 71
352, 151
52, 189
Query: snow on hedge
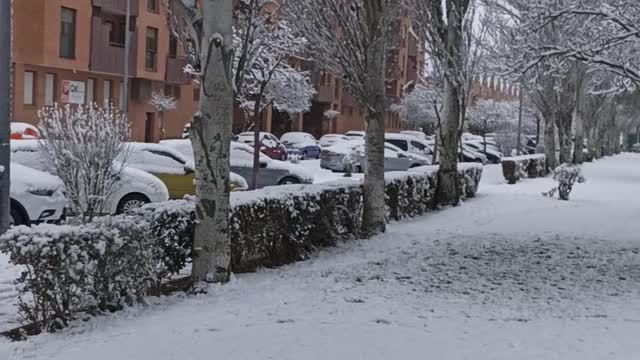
531, 166
114, 261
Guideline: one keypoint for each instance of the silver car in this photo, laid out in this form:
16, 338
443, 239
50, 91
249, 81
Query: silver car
338, 157
272, 172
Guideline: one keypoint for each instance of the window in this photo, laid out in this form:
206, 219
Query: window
151, 52
117, 32
402, 144
106, 93
196, 94
29, 77
420, 146
173, 46
68, 33
152, 5
173, 91
91, 86
49, 86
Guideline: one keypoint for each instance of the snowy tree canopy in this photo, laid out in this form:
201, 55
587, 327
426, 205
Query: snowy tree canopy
263, 42
421, 106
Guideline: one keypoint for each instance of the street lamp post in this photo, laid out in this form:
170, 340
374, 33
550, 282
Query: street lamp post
5, 122
127, 45
519, 143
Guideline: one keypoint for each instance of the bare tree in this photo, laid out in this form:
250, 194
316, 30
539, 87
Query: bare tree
85, 147
348, 39
444, 26
162, 103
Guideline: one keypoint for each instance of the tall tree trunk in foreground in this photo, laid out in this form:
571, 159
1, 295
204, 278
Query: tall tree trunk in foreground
211, 137
373, 221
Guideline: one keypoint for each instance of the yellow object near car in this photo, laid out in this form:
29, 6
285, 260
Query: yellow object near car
172, 168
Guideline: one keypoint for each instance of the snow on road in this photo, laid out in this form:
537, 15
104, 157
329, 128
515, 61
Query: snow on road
509, 275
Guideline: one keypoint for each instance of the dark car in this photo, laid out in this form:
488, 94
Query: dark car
301, 144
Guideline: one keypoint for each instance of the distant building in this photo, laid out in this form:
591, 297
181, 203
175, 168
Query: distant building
72, 52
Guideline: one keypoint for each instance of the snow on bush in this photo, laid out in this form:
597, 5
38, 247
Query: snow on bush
82, 144
88, 268
113, 261
636, 148
517, 167
566, 175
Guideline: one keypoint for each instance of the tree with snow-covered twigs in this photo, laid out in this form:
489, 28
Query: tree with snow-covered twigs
348, 39
262, 76
85, 146
566, 175
162, 103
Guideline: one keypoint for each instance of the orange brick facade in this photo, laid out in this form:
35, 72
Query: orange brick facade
98, 60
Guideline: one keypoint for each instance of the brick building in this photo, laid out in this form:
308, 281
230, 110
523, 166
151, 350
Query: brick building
72, 52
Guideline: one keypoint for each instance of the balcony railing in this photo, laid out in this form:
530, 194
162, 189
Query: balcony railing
175, 73
107, 57
116, 6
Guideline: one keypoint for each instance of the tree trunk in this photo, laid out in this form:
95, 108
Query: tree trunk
578, 155
162, 129
211, 137
447, 192
638, 135
373, 212
550, 141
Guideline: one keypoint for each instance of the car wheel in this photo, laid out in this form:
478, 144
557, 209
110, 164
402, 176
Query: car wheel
130, 202
16, 217
289, 180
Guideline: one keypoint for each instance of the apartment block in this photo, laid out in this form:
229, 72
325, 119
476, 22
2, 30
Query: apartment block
72, 52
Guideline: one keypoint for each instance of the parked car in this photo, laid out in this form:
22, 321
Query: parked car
36, 196
272, 172
409, 143
355, 134
494, 156
134, 187
301, 144
395, 159
174, 169
24, 131
331, 139
470, 154
269, 144
419, 134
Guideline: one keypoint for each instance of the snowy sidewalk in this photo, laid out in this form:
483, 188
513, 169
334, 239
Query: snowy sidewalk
509, 275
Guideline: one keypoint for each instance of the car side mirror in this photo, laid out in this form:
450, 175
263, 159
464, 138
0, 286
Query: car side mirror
401, 155
263, 165
188, 168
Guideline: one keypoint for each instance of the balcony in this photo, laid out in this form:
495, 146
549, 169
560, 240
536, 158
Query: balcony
326, 94
107, 57
175, 74
118, 7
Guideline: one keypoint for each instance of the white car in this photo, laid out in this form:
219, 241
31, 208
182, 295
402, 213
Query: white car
36, 196
418, 134
409, 143
134, 188
332, 139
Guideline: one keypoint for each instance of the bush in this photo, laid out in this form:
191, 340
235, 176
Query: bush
566, 175
114, 261
91, 268
636, 148
531, 166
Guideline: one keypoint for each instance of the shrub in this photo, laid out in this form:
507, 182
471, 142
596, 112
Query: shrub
566, 175
636, 148
531, 166
94, 267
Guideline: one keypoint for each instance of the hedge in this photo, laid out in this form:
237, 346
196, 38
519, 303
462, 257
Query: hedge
531, 166
114, 261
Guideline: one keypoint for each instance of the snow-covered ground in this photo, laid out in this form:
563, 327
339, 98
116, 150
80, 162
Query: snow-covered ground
509, 275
